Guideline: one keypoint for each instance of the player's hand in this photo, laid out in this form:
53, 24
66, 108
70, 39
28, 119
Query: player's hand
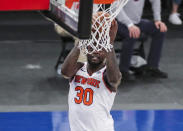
161, 26
134, 31
113, 31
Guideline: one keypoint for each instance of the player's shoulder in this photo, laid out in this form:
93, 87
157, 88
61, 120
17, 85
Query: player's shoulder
111, 86
80, 65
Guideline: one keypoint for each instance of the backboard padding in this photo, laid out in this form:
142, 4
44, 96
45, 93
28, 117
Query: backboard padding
18, 5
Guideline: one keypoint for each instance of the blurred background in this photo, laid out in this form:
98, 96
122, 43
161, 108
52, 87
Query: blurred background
29, 51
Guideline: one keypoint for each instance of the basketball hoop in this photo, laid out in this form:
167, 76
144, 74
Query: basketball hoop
104, 12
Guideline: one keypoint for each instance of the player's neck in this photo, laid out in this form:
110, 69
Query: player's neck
92, 69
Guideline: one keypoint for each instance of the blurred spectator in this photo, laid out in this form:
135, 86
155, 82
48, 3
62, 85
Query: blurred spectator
130, 26
174, 16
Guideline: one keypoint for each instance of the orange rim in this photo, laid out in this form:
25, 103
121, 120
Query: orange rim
103, 1
69, 3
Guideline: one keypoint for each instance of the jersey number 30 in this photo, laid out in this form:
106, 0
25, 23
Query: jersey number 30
85, 96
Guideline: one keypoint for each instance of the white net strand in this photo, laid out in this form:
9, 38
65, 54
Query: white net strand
101, 23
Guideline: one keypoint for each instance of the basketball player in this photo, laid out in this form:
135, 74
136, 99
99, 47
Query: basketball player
93, 87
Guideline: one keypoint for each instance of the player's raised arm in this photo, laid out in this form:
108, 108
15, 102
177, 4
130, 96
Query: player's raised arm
70, 65
112, 74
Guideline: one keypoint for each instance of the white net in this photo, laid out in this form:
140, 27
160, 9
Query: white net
103, 15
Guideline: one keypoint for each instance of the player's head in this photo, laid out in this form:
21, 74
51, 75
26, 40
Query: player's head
96, 58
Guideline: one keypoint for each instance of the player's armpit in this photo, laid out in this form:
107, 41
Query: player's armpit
112, 86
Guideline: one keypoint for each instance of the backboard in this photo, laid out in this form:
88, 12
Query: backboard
73, 15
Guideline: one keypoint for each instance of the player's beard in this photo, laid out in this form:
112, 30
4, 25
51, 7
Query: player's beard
96, 60
94, 64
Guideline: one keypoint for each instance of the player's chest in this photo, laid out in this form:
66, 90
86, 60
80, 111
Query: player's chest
86, 89
87, 81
